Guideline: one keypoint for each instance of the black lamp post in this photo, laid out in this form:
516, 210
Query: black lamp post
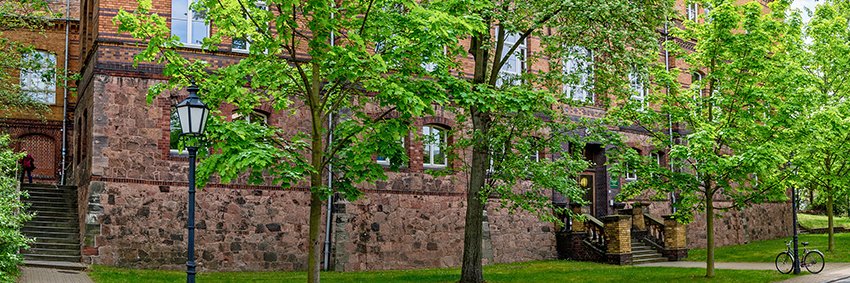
796, 262
192, 114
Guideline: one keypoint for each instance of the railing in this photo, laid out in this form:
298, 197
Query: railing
655, 230
595, 232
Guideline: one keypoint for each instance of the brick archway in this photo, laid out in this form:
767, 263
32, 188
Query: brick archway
43, 150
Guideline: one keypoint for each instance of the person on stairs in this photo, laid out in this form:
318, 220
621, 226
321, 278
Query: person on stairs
28, 163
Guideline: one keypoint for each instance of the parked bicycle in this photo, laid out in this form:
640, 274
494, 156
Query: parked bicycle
812, 260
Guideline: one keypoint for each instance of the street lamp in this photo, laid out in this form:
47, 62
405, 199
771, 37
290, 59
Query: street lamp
192, 114
796, 262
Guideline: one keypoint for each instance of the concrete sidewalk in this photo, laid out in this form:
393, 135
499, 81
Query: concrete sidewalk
832, 272
47, 275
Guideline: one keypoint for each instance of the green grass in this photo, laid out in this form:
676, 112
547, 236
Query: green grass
540, 271
810, 221
766, 251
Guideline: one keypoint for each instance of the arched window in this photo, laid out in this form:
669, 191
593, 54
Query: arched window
435, 139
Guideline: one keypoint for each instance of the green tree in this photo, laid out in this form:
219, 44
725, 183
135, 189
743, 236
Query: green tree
729, 149
824, 128
360, 61
32, 16
513, 111
12, 216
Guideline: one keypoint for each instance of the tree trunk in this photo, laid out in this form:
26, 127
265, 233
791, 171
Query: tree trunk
314, 248
829, 216
471, 271
709, 236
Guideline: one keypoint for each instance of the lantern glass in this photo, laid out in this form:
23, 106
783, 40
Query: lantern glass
192, 114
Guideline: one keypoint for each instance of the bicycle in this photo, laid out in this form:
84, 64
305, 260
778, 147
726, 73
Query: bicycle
812, 260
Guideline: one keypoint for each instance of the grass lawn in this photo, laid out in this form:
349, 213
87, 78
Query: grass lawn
810, 221
766, 251
540, 271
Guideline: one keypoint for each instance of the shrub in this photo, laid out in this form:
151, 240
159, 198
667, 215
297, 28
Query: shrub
12, 215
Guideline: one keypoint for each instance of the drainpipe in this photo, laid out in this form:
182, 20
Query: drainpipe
669, 118
65, 96
329, 212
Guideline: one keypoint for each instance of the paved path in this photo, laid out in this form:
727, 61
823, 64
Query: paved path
832, 272
46, 275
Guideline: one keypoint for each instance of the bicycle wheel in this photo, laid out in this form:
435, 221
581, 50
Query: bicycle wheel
784, 263
814, 261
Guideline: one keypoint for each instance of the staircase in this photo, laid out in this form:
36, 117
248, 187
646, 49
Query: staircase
55, 225
642, 253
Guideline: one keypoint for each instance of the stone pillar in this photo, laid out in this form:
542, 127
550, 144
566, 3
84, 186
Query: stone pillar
638, 223
577, 226
675, 244
618, 239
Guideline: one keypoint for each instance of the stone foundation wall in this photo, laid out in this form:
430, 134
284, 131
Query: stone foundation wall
143, 226
758, 222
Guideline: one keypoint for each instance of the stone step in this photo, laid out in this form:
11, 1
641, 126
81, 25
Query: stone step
69, 222
52, 235
644, 253
58, 228
54, 213
51, 205
55, 218
60, 246
48, 194
648, 260
56, 265
57, 252
55, 240
653, 255
40, 257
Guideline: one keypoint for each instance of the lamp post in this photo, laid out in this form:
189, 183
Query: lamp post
192, 114
796, 262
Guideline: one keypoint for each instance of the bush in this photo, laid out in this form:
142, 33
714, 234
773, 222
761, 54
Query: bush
12, 215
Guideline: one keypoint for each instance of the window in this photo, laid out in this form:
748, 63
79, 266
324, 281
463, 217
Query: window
174, 127
578, 69
692, 11
435, 141
383, 160
656, 156
515, 64
696, 86
631, 175
187, 24
431, 66
254, 117
637, 82
244, 44
38, 76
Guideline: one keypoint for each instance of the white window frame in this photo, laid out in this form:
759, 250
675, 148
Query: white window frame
429, 144
33, 82
248, 118
174, 124
580, 62
260, 5
637, 84
692, 11
631, 175
189, 17
515, 70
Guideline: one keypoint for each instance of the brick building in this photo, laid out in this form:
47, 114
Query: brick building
56, 48
130, 179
